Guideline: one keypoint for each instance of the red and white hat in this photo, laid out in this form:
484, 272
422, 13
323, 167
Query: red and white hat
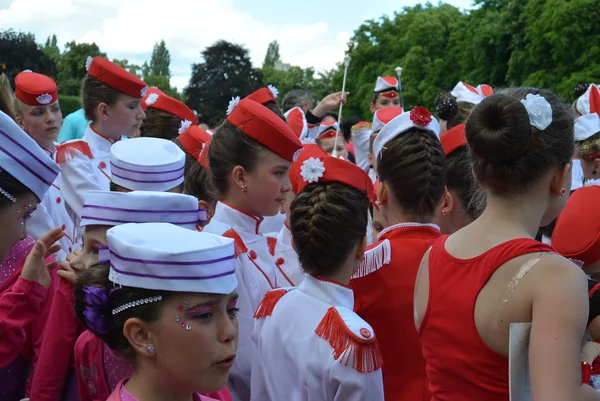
453, 139
107, 208
324, 169
147, 164
388, 86
464, 92
307, 152
157, 99
588, 124
384, 116
418, 117
165, 257
296, 119
22, 158
264, 95
577, 231
264, 126
115, 76
327, 129
35, 89
589, 101
194, 140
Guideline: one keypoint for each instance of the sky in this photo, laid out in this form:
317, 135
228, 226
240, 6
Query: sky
310, 32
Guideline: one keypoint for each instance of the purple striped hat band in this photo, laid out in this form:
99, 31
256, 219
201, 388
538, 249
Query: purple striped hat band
129, 170
48, 180
47, 170
148, 181
105, 215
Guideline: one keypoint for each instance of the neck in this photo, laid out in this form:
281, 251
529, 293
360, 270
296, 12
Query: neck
47, 145
344, 273
513, 217
395, 215
239, 203
147, 385
100, 129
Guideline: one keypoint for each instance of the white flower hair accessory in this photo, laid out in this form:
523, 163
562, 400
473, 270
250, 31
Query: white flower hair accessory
233, 104
88, 62
185, 124
27, 71
151, 99
312, 169
144, 90
296, 154
273, 90
539, 110
44, 99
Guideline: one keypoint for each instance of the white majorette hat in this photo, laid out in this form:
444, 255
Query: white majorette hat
161, 256
108, 208
383, 116
464, 92
384, 84
147, 164
419, 117
586, 126
22, 158
588, 101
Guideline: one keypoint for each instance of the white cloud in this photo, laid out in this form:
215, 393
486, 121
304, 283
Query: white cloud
130, 28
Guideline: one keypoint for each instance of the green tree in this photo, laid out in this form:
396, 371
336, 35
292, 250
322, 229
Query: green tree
160, 62
18, 51
132, 68
71, 67
51, 48
272, 55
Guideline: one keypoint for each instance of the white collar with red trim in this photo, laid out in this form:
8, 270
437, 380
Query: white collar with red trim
237, 219
328, 291
98, 143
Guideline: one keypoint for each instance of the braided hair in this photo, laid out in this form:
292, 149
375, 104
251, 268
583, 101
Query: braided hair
327, 222
414, 167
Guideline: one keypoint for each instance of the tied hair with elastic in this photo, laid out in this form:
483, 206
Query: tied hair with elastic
446, 106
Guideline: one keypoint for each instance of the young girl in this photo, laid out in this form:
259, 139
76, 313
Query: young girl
326, 138
111, 99
453, 108
310, 344
165, 301
411, 169
473, 284
102, 210
38, 114
166, 117
587, 135
26, 285
250, 157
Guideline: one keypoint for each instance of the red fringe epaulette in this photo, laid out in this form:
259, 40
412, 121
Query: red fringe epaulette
375, 258
268, 303
68, 150
361, 355
239, 245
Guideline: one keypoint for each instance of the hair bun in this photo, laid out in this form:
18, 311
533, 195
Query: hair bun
446, 106
498, 129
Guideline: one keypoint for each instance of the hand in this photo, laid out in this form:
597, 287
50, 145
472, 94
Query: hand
69, 271
590, 352
35, 267
329, 103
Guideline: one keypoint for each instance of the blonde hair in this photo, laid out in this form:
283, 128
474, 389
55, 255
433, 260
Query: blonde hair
6, 96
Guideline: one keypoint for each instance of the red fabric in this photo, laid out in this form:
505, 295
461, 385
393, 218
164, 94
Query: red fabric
56, 353
264, 126
194, 140
89, 352
308, 151
116, 77
19, 307
350, 148
173, 106
595, 100
295, 119
272, 242
388, 293
30, 88
486, 90
67, 150
586, 373
453, 139
467, 369
576, 233
327, 129
262, 96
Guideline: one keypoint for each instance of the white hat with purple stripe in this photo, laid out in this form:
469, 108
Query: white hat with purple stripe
114, 208
161, 256
22, 158
147, 164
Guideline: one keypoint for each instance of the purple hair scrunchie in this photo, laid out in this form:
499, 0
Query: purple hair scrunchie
96, 309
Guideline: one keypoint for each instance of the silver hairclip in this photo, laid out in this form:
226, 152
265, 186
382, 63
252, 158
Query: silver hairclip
7, 195
133, 304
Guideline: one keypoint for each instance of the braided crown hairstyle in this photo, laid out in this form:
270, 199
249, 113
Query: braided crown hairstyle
327, 221
414, 167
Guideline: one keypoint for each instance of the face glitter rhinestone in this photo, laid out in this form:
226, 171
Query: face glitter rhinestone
188, 327
178, 318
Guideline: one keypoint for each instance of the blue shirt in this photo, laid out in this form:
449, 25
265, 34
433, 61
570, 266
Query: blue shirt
73, 127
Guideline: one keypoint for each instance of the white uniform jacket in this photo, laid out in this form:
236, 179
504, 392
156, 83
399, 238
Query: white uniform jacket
289, 272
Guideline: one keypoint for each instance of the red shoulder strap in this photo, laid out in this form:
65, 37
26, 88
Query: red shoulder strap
268, 303
272, 241
66, 151
514, 248
240, 247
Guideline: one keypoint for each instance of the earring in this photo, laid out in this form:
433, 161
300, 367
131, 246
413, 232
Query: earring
244, 187
444, 213
150, 349
104, 120
563, 192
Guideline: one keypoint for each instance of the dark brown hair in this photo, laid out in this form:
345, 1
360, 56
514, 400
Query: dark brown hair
414, 167
451, 111
94, 92
275, 109
97, 276
160, 124
230, 147
198, 183
327, 221
507, 152
11, 185
459, 175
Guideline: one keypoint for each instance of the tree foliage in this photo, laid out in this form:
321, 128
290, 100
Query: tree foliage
225, 72
160, 62
19, 51
272, 55
71, 67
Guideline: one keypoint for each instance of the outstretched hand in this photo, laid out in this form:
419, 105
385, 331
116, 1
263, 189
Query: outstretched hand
329, 103
35, 267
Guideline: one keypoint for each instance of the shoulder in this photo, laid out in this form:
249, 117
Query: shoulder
555, 270
352, 339
269, 302
376, 256
70, 149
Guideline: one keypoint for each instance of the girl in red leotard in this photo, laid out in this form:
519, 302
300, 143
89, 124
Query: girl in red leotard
473, 284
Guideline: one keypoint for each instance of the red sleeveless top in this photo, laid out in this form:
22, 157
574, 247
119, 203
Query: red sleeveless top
460, 365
